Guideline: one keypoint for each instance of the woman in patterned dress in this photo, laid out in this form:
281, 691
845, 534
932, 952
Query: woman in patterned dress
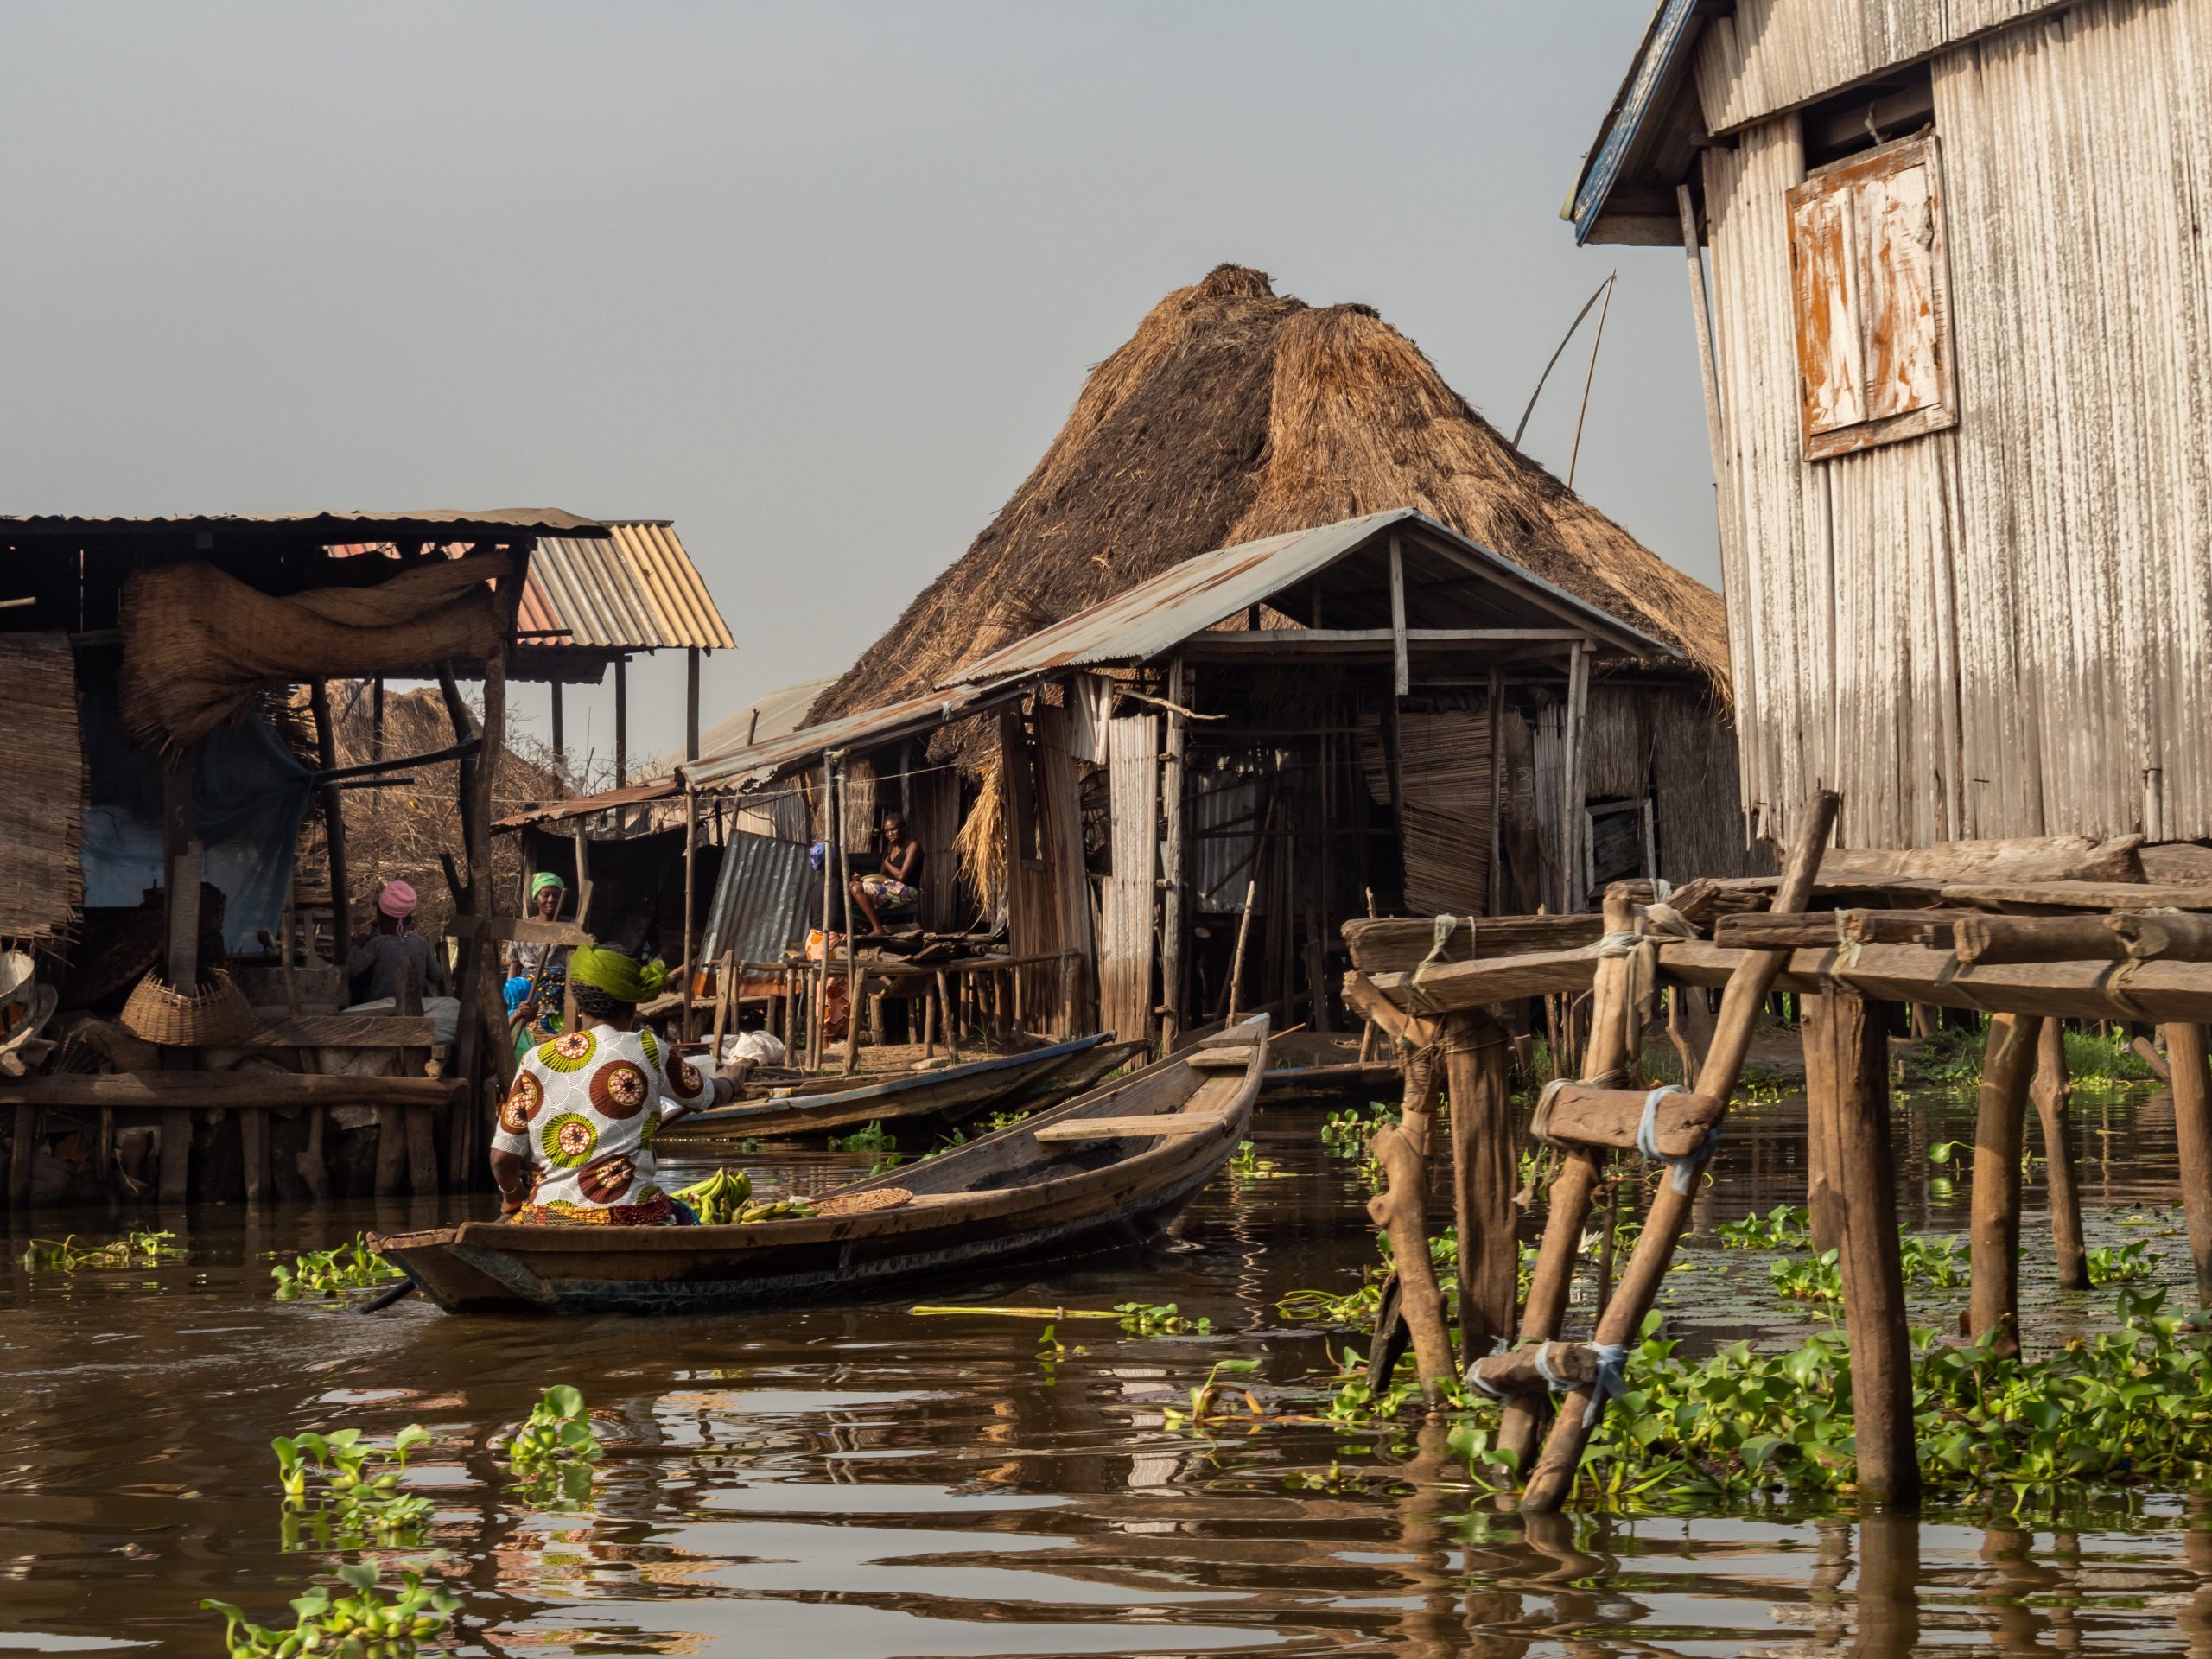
577, 1125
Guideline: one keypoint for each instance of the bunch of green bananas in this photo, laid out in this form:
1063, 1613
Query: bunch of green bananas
717, 1199
775, 1209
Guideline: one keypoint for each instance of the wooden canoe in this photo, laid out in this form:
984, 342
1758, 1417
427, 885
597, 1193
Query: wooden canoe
943, 1096
1048, 1188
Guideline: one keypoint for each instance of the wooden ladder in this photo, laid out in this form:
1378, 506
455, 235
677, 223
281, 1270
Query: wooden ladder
1589, 1119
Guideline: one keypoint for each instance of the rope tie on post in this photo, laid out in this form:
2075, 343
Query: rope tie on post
1683, 1169
1442, 928
1846, 948
1552, 1380
1611, 1378
1475, 1371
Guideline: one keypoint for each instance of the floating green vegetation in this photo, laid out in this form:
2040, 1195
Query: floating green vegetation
131, 1250
2124, 1264
354, 1623
1936, 1262
357, 1484
998, 1120
1160, 1319
1247, 1165
1786, 1226
876, 1141
1346, 1133
349, 1267
555, 1448
1207, 1395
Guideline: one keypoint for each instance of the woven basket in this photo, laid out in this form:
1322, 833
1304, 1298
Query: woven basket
217, 1013
862, 1204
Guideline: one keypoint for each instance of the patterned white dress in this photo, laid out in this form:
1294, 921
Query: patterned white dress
582, 1111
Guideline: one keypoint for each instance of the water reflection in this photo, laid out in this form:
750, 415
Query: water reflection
857, 1482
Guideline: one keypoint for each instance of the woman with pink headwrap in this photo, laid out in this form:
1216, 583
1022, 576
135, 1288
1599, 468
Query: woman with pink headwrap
374, 965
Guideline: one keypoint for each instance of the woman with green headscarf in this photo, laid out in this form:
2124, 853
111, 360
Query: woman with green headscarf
577, 1125
537, 971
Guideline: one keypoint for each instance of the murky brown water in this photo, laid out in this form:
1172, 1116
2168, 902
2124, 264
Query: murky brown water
861, 1481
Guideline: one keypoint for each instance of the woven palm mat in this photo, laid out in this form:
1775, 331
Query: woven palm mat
862, 1204
42, 809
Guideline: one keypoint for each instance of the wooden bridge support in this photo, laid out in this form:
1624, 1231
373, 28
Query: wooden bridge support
1850, 1034
1485, 1171
2007, 1064
2192, 1087
2051, 1091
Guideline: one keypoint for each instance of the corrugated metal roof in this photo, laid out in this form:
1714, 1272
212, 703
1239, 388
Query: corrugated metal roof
358, 526
870, 727
658, 789
1157, 615
778, 715
760, 898
1671, 21
637, 590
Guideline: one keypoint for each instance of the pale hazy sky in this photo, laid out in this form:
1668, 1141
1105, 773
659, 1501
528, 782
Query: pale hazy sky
818, 281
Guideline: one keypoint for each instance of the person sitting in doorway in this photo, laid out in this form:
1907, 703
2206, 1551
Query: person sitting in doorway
576, 1127
372, 966
896, 889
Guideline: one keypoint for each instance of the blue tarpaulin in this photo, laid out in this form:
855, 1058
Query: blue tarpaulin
250, 794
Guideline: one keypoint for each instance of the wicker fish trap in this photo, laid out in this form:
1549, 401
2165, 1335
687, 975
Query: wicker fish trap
216, 1013
863, 1203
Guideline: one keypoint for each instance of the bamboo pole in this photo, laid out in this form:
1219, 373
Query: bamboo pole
1858, 1069
2006, 1065
1544, 1315
852, 964
2051, 1092
1669, 1215
1171, 903
2192, 1088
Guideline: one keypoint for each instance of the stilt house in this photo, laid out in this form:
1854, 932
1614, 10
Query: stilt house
1954, 317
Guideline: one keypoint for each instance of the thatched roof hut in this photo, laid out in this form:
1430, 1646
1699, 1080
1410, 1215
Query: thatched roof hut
1236, 413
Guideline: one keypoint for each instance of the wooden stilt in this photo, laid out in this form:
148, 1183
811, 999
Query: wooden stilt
19, 1157
1854, 1034
1401, 1209
1823, 1189
253, 1146
1544, 1315
1484, 1168
2051, 1091
2006, 1065
1623, 1317
2192, 1087
174, 1180
946, 1017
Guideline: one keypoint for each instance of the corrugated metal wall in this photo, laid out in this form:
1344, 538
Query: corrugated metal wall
2002, 629
761, 899
1770, 56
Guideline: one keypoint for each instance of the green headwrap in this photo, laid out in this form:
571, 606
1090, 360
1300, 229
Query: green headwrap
543, 880
622, 977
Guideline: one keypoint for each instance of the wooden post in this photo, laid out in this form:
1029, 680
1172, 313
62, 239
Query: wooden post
2192, 1087
725, 1002
1543, 1316
691, 894
253, 1146
1496, 895
817, 1046
948, 1018
175, 1178
1858, 1074
560, 744
1669, 1215
420, 1129
1824, 1194
333, 824
2051, 1092
1573, 895
1170, 909
2006, 1065
376, 718
852, 964
691, 703
180, 868
1401, 677
1485, 1171
621, 722
19, 1157
1699, 316
1401, 1209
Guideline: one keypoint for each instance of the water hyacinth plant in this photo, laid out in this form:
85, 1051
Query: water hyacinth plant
1160, 1320
131, 1250
355, 1622
555, 1448
358, 1484
2124, 1264
1786, 1226
336, 1272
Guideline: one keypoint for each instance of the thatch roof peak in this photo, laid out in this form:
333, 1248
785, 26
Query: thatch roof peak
1235, 413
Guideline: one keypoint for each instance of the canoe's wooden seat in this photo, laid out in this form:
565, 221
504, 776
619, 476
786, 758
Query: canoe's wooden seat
1162, 1125
1586, 1115
1220, 1057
